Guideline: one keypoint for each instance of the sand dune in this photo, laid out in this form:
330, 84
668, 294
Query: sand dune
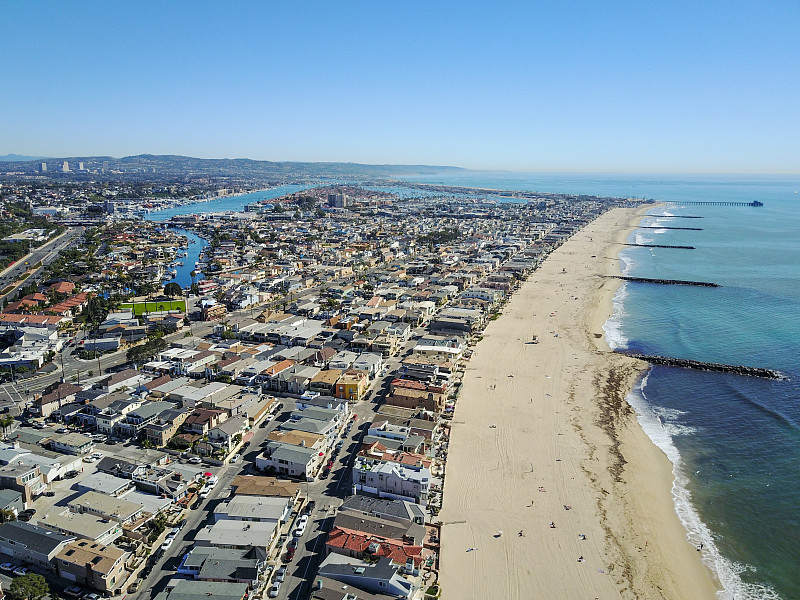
542, 434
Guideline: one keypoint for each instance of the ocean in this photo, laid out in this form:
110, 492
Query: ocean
734, 441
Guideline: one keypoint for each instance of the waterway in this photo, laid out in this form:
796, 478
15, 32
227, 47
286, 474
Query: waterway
196, 243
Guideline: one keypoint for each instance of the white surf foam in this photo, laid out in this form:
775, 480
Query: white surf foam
612, 328
727, 572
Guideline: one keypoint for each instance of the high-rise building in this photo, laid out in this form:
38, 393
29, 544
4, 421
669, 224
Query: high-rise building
44, 167
80, 166
65, 167
105, 166
337, 200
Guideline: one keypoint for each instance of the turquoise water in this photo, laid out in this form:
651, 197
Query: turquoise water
734, 441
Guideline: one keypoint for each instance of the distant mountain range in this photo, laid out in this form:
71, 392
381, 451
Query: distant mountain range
18, 158
144, 166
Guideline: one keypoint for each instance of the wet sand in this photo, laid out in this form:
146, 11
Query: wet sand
542, 434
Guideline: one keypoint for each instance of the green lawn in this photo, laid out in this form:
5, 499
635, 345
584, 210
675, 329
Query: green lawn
155, 306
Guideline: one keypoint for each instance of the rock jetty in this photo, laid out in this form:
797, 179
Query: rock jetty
665, 281
668, 361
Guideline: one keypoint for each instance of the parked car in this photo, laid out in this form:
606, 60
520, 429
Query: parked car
289, 556
71, 474
175, 531
195, 460
274, 589
38, 425
204, 494
280, 575
300, 529
236, 458
7, 567
97, 455
62, 430
74, 591
294, 543
302, 520
21, 571
49, 493
167, 543
91, 596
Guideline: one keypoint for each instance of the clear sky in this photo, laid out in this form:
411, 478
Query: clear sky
536, 85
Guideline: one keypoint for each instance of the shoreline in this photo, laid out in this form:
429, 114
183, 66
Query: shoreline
565, 448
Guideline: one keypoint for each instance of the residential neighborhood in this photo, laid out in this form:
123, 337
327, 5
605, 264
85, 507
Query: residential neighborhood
276, 426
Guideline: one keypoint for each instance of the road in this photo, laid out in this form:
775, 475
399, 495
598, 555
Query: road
45, 254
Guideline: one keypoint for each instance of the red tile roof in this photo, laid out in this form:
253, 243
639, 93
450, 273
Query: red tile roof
358, 541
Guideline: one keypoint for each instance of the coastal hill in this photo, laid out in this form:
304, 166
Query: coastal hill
150, 166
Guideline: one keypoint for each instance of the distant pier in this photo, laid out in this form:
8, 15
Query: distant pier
662, 227
662, 246
666, 281
690, 203
707, 366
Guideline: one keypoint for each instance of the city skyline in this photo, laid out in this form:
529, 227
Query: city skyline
577, 88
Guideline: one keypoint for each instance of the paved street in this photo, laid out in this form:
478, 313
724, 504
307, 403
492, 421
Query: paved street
46, 253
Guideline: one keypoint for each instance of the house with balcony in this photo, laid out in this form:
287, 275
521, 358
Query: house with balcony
93, 565
391, 480
167, 425
23, 478
379, 577
136, 420
352, 385
225, 434
289, 460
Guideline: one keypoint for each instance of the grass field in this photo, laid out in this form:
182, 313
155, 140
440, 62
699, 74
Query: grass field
155, 306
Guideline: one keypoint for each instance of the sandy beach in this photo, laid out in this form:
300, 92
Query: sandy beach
544, 444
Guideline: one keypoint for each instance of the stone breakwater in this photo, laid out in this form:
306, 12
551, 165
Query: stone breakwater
664, 227
665, 281
699, 365
662, 246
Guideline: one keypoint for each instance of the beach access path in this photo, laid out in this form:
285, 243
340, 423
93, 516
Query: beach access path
545, 449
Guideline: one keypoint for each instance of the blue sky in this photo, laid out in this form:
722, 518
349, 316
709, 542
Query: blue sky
539, 86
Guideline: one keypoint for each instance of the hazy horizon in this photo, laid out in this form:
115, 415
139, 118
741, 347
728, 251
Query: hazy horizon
577, 87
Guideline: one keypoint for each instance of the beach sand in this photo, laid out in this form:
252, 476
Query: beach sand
542, 427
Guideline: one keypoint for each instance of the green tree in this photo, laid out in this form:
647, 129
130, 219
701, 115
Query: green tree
28, 587
5, 423
7, 515
173, 289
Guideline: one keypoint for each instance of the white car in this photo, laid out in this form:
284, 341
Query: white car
204, 494
89, 459
274, 589
195, 460
97, 455
300, 530
281, 574
167, 543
